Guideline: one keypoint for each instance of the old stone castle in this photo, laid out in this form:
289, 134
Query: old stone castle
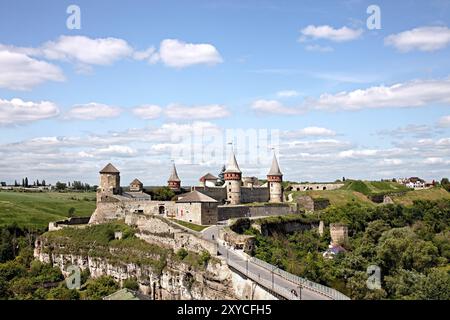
205, 204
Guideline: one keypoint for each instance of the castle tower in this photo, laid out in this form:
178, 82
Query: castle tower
109, 182
233, 182
274, 179
174, 181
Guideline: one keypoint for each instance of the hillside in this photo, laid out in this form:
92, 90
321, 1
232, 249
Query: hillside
373, 187
36, 210
428, 194
357, 191
336, 197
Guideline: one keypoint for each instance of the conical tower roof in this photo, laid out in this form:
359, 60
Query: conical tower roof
275, 168
174, 175
109, 168
232, 166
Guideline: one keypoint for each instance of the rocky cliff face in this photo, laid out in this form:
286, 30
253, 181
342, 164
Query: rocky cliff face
160, 273
175, 281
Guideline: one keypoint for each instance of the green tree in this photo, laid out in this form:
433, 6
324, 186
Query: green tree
182, 253
205, 256
445, 183
60, 186
163, 194
62, 293
101, 287
221, 176
131, 283
436, 286
404, 284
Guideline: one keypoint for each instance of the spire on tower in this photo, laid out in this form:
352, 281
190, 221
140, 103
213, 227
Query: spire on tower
275, 168
174, 175
232, 166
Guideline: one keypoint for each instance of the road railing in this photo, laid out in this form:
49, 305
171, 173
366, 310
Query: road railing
305, 283
270, 285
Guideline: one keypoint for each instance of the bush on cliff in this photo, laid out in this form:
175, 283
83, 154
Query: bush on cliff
100, 287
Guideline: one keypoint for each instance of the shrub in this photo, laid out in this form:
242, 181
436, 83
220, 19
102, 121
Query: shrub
131, 284
182, 253
205, 256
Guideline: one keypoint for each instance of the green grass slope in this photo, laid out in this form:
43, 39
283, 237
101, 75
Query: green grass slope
432, 194
373, 187
336, 197
357, 191
36, 210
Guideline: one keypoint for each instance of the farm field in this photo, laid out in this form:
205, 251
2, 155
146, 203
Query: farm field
36, 210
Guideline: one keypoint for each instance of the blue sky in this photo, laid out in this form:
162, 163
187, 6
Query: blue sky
346, 100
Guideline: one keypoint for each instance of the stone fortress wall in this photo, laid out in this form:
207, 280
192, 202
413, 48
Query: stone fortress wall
159, 230
256, 194
315, 186
217, 193
114, 210
239, 211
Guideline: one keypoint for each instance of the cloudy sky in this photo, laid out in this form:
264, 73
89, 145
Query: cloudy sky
146, 82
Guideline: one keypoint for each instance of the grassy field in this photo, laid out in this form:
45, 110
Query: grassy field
336, 197
189, 225
371, 187
427, 194
357, 191
36, 210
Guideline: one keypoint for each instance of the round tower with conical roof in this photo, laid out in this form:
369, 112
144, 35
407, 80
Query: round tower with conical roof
274, 180
233, 180
109, 182
174, 181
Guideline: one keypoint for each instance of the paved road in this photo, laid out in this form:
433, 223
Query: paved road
268, 279
259, 274
211, 233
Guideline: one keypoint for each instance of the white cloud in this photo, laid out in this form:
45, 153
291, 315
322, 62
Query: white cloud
20, 72
148, 111
329, 33
213, 111
273, 107
87, 51
116, 151
410, 94
287, 93
318, 48
434, 160
444, 121
416, 130
391, 162
357, 153
179, 54
92, 111
310, 132
422, 38
17, 111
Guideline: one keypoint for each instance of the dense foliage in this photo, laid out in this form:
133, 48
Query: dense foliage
411, 245
162, 194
